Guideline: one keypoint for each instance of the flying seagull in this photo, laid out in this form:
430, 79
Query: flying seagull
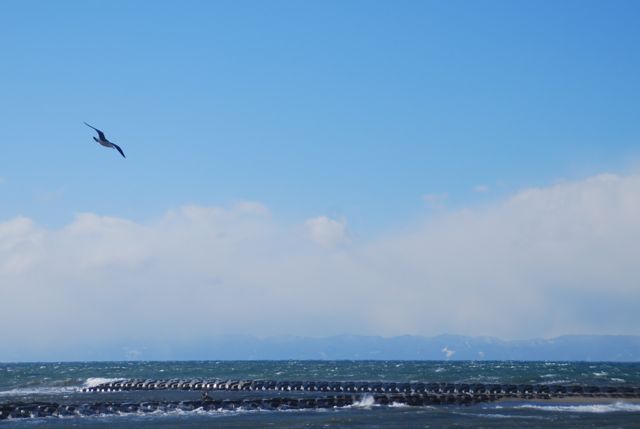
104, 142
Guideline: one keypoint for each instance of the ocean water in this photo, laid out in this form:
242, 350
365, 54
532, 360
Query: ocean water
63, 383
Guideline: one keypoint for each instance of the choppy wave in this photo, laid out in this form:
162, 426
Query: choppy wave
154, 414
97, 381
173, 413
399, 405
494, 415
62, 383
367, 401
585, 408
43, 390
56, 390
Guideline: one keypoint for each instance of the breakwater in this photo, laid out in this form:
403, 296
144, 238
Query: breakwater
282, 395
44, 409
526, 391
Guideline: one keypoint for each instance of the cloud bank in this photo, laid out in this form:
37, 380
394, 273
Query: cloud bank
544, 262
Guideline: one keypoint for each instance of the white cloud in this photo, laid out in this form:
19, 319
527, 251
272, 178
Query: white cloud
326, 231
19, 245
252, 207
544, 262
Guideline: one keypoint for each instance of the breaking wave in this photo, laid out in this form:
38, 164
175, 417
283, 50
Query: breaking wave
97, 381
585, 408
44, 390
367, 401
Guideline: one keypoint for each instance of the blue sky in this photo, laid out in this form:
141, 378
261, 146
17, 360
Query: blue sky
364, 126
355, 109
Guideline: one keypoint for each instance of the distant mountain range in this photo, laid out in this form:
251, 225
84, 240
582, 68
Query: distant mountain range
442, 347
610, 348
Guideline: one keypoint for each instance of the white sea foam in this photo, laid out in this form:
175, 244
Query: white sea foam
97, 381
561, 381
585, 408
56, 390
500, 416
29, 391
367, 401
177, 412
156, 414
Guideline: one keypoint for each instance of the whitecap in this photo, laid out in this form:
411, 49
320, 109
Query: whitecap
367, 401
585, 408
27, 391
501, 416
561, 381
97, 381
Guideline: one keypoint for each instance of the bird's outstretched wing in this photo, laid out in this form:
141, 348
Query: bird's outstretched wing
118, 149
100, 133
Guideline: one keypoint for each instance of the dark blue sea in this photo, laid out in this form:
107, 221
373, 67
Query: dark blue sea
63, 383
